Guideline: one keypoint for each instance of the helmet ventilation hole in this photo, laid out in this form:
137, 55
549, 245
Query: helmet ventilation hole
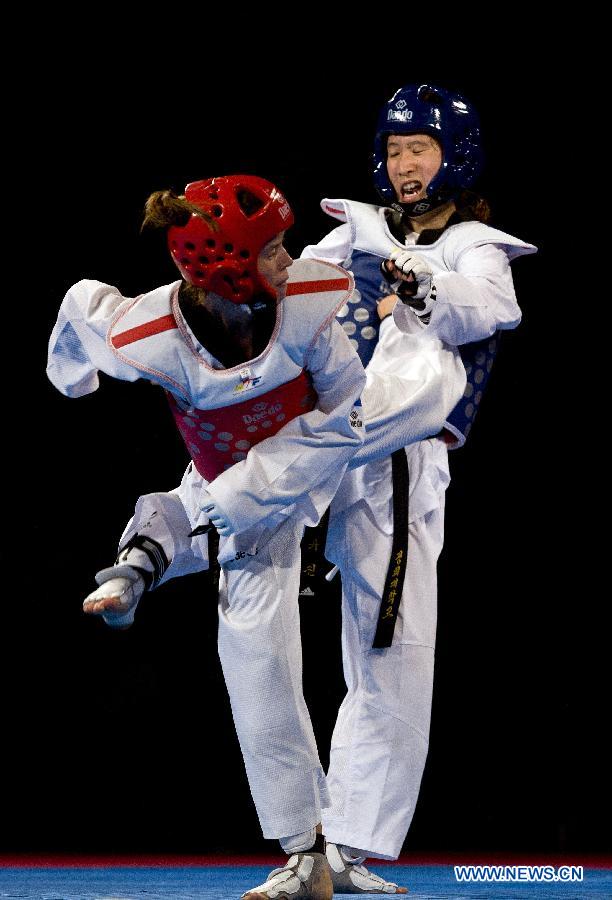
249, 203
428, 95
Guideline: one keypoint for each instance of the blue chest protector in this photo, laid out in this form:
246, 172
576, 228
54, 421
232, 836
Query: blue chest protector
359, 317
360, 321
478, 360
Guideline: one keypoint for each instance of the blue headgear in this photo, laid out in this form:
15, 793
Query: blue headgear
451, 120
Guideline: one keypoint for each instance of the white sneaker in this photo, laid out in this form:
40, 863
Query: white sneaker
305, 877
350, 876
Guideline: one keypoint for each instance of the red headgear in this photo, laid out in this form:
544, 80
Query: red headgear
249, 212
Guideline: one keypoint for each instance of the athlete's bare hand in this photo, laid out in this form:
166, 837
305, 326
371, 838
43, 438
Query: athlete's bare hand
385, 305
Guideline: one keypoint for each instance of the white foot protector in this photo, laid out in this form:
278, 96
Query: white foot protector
350, 876
125, 586
305, 877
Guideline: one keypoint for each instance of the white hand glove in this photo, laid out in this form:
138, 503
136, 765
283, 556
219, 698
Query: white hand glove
216, 515
117, 597
407, 264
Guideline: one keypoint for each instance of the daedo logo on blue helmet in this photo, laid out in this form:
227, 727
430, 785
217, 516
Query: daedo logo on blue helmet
400, 113
446, 116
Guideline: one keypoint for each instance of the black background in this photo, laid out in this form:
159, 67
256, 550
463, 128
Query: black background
123, 742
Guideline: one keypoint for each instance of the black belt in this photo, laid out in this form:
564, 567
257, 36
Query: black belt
213, 557
394, 582
314, 565
213, 550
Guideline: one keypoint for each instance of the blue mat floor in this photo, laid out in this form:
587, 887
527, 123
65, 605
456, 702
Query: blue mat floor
433, 882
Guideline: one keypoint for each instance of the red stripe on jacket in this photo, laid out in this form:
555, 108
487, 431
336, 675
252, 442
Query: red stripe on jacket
164, 323
317, 287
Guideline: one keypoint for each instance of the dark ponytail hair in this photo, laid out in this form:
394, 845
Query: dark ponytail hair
471, 206
165, 208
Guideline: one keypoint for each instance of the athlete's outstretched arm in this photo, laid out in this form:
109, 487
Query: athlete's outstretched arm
77, 347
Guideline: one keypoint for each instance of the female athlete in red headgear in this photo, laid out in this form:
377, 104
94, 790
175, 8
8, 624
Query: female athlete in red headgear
263, 385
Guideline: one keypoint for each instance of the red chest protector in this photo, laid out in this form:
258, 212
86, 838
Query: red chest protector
218, 438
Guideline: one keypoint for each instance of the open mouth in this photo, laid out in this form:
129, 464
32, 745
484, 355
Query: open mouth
410, 189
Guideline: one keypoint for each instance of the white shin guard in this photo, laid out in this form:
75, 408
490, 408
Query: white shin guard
299, 843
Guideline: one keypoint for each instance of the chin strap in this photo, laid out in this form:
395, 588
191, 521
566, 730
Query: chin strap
419, 207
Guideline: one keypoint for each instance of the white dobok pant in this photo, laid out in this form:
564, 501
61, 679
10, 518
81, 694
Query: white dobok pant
380, 741
261, 656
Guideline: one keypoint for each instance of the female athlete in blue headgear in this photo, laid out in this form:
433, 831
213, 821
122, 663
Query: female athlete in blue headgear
430, 244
